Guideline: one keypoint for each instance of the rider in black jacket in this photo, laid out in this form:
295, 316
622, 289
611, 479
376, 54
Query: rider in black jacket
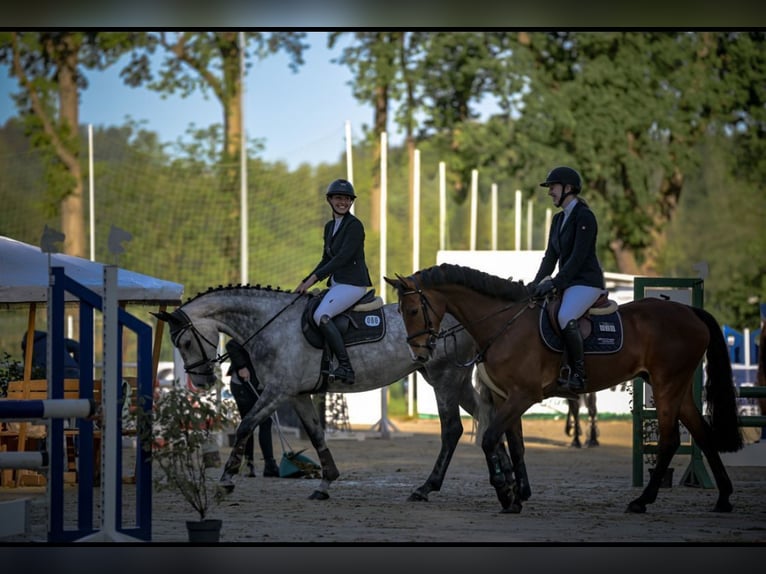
344, 266
580, 279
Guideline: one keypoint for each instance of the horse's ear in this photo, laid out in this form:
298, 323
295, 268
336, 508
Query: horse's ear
163, 316
393, 282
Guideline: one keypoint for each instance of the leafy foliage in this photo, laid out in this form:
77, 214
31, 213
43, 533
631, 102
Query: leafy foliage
176, 433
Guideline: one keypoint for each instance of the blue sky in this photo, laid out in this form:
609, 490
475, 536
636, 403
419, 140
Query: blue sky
299, 116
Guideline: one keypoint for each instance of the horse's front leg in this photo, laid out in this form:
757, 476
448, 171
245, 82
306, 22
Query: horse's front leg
515, 438
306, 411
260, 411
498, 476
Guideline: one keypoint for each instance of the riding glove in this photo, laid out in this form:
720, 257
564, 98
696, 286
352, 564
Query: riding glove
545, 288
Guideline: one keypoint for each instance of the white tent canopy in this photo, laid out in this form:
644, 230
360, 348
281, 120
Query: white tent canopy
24, 277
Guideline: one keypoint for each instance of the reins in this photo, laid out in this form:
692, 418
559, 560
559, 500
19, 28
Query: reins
479, 357
452, 331
266, 324
197, 335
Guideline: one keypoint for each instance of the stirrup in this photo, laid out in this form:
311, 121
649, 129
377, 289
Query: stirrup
344, 375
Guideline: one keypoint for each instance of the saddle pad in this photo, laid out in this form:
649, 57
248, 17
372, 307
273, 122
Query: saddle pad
605, 336
365, 327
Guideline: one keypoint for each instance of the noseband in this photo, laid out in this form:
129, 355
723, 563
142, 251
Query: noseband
425, 305
175, 334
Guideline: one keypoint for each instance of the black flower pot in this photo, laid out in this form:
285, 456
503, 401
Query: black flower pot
204, 531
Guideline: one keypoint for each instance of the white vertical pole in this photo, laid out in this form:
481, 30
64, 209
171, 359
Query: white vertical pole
494, 217
517, 222
442, 205
349, 154
244, 250
110, 391
474, 206
746, 340
415, 261
530, 207
383, 218
91, 194
548, 218
384, 422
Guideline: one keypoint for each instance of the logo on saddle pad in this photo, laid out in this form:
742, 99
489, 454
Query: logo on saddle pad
602, 334
362, 323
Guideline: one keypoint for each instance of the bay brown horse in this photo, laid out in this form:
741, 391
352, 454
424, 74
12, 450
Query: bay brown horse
664, 342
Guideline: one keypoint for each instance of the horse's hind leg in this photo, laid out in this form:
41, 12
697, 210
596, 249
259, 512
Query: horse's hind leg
313, 427
667, 444
573, 422
703, 435
590, 399
451, 431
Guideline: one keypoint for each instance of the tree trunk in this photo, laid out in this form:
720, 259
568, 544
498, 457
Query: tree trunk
381, 122
626, 260
68, 148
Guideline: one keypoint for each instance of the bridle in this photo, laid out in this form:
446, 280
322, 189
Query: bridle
176, 331
429, 330
433, 335
187, 325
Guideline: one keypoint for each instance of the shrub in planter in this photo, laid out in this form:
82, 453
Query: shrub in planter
179, 432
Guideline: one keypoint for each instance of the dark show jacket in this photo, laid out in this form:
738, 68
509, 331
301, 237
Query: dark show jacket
343, 254
573, 247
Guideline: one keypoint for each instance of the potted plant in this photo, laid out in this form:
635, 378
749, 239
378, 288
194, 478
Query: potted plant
180, 432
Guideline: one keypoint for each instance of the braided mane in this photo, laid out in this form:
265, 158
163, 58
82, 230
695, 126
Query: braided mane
473, 279
232, 288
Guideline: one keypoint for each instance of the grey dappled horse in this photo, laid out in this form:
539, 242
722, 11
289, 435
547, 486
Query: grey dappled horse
268, 323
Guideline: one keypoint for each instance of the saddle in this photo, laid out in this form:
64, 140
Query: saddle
363, 322
600, 326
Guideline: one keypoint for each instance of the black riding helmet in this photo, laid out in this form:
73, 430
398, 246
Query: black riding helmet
565, 176
341, 187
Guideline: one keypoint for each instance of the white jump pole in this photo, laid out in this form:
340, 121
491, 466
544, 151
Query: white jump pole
110, 444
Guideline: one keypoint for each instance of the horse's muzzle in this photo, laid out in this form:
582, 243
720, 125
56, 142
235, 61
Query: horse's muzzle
203, 381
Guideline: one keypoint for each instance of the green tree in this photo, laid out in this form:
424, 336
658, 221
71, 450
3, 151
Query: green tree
629, 109
210, 62
374, 58
50, 70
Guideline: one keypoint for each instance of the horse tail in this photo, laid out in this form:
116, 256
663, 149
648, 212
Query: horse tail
719, 389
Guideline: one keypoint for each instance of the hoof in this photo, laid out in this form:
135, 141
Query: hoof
722, 507
226, 488
636, 508
514, 508
525, 493
319, 495
417, 497
593, 443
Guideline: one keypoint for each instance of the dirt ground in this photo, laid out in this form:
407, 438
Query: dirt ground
578, 496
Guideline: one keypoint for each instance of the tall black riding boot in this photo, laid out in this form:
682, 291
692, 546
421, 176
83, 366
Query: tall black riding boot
338, 348
573, 341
